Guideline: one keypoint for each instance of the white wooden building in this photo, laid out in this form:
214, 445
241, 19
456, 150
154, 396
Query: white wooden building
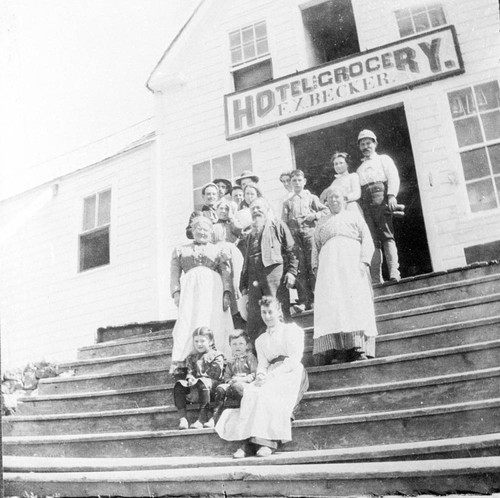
271, 85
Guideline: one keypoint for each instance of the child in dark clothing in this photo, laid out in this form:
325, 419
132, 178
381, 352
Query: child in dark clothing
239, 372
205, 367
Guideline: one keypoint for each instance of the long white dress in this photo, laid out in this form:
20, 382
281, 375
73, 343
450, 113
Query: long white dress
201, 272
265, 411
344, 297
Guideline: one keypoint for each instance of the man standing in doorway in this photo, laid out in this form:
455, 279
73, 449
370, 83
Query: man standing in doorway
379, 180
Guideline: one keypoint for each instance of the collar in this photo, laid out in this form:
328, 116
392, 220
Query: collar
374, 155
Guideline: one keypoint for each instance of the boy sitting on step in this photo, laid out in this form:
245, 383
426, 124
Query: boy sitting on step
205, 366
239, 372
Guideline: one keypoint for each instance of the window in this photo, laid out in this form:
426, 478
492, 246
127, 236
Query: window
250, 58
476, 115
422, 18
94, 239
330, 31
229, 166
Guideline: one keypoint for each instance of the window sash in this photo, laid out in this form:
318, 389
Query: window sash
418, 19
96, 211
248, 43
478, 140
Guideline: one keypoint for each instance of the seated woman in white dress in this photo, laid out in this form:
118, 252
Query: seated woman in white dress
201, 286
344, 316
264, 417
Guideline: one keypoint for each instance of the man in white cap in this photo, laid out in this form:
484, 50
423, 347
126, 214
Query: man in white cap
379, 180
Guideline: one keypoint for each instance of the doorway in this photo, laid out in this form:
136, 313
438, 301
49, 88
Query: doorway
312, 152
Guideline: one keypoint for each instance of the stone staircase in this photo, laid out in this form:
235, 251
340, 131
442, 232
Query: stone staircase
424, 416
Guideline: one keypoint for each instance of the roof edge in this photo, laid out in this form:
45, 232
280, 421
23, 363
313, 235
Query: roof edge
174, 43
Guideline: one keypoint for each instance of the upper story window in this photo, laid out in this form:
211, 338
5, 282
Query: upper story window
330, 31
94, 237
229, 166
422, 18
250, 59
476, 115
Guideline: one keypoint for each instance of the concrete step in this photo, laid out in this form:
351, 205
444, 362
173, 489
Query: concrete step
474, 475
388, 427
460, 447
435, 294
150, 343
118, 332
439, 314
161, 414
474, 270
121, 363
457, 359
381, 370
427, 316
440, 336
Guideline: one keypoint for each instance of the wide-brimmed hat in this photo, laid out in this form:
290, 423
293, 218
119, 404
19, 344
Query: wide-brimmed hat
227, 183
247, 174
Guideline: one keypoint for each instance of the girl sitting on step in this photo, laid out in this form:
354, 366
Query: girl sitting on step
264, 417
205, 366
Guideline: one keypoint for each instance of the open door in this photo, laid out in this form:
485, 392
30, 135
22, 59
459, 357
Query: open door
312, 153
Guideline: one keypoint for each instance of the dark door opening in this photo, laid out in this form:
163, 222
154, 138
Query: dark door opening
312, 155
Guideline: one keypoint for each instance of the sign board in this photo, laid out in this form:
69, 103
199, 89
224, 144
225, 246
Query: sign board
398, 66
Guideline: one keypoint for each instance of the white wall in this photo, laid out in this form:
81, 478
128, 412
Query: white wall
48, 307
191, 116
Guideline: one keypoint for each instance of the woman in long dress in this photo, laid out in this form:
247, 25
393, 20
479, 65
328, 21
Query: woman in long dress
349, 182
264, 417
344, 316
201, 286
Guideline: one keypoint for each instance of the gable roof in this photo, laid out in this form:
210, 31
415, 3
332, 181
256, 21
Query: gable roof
158, 75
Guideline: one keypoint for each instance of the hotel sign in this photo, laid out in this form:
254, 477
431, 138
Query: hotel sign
394, 67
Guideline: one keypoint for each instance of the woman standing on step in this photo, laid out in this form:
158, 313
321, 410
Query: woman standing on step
264, 417
344, 316
203, 294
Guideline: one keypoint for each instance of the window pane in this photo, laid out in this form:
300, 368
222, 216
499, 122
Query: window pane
468, 131
234, 39
497, 183
481, 195
247, 35
488, 96
253, 75
419, 9
201, 174
89, 207
405, 27
475, 164
421, 22
262, 47
461, 103
494, 152
236, 56
436, 15
242, 161
197, 199
94, 249
491, 124
402, 13
249, 51
260, 30
104, 208
221, 167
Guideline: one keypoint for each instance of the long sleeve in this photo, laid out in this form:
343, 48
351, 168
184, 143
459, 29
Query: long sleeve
367, 246
262, 361
318, 207
175, 272
224, 268
291, 263
355, 188
315, 250
392, 174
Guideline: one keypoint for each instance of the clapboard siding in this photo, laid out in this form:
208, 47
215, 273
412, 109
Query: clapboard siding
51, 308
